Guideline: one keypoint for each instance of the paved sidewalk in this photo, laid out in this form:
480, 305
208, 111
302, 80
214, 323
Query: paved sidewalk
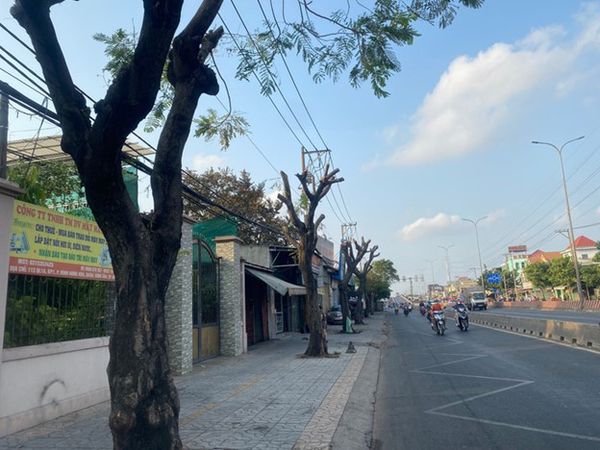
266, 399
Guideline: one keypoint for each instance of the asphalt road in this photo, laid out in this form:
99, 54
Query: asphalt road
569, 316
483, 389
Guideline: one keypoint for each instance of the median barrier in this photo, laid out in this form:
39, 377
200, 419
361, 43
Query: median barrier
580, 334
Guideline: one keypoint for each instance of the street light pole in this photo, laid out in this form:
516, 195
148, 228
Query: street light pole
446, 248
571, 234
475, 222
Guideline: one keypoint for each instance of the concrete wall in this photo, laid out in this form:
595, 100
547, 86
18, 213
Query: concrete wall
231, 285
178, 307
256, 254
581, 334
41, 382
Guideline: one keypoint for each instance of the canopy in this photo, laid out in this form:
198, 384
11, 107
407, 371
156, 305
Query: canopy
281, 286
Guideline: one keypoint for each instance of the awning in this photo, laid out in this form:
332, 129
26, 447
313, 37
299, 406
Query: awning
281, 286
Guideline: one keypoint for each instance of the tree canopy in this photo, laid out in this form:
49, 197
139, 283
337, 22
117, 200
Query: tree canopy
380, 279
240, 194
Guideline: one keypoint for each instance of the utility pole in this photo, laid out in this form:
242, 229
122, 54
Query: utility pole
3, 135
571, 234
311, 163
348, 231
446, 248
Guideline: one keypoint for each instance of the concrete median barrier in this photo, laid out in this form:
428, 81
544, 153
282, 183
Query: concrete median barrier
575, 333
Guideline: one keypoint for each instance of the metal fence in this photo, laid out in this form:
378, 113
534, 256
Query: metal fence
42, 309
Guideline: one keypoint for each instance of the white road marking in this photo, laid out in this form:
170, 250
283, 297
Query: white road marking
518, 383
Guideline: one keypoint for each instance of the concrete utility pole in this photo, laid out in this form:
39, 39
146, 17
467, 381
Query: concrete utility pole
475, 222
3, 135
571, 234
446, 248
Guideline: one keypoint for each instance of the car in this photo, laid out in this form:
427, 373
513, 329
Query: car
334, 315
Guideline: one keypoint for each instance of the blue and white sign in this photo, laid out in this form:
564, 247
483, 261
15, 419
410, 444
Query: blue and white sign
494, 278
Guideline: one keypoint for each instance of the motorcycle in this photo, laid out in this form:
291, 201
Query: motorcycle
438, 324
396, 310
462, 318
422, 309
406, 310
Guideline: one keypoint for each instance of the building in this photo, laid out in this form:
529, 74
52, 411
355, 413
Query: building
585, 249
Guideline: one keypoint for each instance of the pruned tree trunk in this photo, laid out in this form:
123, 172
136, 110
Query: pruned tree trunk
351, 262
304, 234
362, 277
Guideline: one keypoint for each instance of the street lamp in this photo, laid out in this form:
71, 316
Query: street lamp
475, 222
446, 248
571, 234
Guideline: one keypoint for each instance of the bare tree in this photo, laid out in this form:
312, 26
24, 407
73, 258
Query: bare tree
351, 261
362, 279
304, 234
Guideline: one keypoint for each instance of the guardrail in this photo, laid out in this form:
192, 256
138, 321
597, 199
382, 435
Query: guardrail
580, 334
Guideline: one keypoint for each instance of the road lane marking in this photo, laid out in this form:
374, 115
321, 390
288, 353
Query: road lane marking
518, 383
521, 427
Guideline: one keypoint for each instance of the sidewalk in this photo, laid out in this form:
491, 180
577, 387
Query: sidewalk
266, 399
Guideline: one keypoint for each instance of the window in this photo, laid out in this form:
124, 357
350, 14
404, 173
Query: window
584, 256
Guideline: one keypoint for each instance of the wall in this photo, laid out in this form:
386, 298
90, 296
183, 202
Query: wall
231, 283
41, 382
178, 306
258, 255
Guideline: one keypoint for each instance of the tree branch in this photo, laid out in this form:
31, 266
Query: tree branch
74, 116
132, 93
286, 199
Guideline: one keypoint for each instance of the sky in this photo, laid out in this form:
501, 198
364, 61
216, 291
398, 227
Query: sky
452, 141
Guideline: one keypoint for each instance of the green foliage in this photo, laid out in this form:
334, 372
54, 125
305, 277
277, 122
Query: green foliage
120, 48
562, 272
240, 194
331, 44
54, 315
47, 183
539, 274
226, 127
590, 276
380, 279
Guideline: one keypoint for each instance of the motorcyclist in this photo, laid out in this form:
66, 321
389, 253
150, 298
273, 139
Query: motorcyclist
459, 306
435, 307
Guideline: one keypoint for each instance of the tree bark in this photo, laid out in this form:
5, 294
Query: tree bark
304, 234
144, 402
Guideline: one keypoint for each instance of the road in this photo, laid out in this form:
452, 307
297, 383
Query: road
568, 316
483, 389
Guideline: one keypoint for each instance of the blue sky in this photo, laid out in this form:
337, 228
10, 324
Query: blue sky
452, 140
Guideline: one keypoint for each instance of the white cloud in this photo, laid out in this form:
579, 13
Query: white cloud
203, 162
472, 100
427, 225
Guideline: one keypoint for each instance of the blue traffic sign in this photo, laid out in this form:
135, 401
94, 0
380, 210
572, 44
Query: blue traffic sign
494, 278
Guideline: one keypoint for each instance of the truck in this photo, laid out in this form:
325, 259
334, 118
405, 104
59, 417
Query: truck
474, 298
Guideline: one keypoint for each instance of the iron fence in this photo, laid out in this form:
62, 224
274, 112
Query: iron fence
42, 309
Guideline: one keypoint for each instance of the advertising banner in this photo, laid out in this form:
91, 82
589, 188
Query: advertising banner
47, 243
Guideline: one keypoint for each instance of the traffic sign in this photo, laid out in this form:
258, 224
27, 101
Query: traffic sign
494, 278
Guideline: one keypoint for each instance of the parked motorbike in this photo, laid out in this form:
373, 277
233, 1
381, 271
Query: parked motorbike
438, 324
462, 317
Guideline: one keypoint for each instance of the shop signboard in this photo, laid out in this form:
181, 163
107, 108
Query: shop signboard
44, 242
